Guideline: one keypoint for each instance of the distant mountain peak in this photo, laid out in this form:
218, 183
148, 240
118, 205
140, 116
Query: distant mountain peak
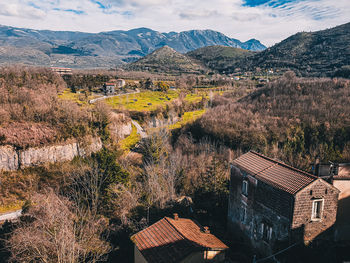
105, 49
167, 59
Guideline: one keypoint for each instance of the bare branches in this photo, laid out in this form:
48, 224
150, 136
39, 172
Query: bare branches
52, 232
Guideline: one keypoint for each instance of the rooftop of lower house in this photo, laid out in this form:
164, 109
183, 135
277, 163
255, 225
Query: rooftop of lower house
173, 239
274, 172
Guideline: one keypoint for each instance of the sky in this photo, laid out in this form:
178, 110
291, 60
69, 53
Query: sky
269, 21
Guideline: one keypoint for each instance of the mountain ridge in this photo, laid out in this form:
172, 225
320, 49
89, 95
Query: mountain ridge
167, 60
318, 53
112, 48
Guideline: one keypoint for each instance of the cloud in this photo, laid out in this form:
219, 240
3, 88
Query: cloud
267, 20
198, 15
15, 9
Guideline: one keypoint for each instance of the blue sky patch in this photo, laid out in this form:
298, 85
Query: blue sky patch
100, 4
272, 3
77, 12
34, 5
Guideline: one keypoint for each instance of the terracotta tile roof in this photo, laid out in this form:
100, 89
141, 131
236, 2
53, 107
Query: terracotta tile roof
170, 240
273, 172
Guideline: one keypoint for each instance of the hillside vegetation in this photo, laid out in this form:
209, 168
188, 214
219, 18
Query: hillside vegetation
167, 60
220, 58
31, 113
320, 53
293, 119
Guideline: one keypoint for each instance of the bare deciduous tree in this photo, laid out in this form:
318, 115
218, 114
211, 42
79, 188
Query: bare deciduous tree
52, 232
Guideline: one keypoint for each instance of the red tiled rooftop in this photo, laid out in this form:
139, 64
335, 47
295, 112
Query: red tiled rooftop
170, 240
273, 172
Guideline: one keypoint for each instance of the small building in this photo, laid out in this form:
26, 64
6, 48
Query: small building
176, 240
62, 71
120, 83
272, 204
109, 88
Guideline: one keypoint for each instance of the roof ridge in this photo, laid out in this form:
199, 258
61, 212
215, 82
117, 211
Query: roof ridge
283, 164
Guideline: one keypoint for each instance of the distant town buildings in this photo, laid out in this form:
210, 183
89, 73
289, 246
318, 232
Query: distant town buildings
176, 240
272, 203
62, 71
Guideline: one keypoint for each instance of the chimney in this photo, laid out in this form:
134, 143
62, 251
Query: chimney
176, 216
206, 230
316, 168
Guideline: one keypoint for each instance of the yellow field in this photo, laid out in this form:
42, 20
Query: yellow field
11, 207
143, 101
79, 98
188, 117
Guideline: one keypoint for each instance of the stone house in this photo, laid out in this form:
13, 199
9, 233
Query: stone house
176, 239
109, 88
273, 204
338, 174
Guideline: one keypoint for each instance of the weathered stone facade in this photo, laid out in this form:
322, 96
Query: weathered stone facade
268, 215
8, 158
318, 190
259, 211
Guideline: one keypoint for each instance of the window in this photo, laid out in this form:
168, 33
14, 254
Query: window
245, 188
266, 232
317, 207
243, 214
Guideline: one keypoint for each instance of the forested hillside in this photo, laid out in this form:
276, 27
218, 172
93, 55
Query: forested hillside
167, 60
321, 53
220, 58
31, 114
293, 119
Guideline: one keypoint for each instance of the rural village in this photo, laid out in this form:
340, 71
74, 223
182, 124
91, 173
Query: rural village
141, 146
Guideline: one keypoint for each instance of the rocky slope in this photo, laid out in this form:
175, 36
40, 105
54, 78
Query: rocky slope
105, 49
12, 159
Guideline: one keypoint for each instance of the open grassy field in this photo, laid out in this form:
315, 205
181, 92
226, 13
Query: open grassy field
188, 117
79, 98
151, 100
143, 101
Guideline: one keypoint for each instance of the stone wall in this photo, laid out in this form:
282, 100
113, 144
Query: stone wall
12, 159
261, 206
8, 158
302, 220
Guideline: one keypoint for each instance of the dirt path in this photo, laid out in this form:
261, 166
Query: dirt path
11, 216
140, 130
111, 96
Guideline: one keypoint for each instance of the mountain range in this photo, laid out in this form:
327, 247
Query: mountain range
324, 53
105, 49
